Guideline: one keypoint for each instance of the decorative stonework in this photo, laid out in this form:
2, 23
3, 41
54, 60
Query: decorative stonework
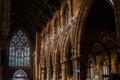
54, 49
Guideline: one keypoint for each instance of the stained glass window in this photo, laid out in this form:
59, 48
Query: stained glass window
19, 50
92, 71
105, 71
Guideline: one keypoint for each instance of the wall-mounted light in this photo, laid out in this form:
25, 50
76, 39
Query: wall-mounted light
74, 19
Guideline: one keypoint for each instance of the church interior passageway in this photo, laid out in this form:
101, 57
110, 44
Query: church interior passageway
59, 39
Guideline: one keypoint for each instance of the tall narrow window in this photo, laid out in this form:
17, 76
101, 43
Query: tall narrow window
105, 71
92, 71
19, 50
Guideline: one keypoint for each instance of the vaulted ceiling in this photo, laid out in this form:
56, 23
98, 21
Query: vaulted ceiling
101, 15
32, 14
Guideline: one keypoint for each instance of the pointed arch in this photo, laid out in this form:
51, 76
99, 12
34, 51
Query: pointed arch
57, 55
55, 52
66, 45
19, 50
20, 74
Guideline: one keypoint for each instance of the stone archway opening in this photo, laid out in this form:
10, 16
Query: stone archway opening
105, 53
69, 63
19, 75
98, 23
59, 64
101, 59
59, 70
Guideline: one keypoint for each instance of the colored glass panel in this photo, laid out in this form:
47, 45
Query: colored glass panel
19, 50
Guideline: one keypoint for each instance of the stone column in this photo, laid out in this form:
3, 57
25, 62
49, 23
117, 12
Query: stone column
113, 66
55, 73
42, 74
117, 17
48, 73
76, 67
4, 22
74, 75
37, 56
63, 71
0, 54
0, 60
0, 25
88, 74
5, 13
4, 27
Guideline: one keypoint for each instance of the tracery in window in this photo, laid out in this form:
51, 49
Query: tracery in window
19, 50
105, 71
92, 71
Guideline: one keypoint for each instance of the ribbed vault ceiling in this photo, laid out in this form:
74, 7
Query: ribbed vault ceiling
32, 14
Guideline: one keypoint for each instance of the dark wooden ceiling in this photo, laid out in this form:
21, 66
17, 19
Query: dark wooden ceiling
100, 21
101, 16
32, 14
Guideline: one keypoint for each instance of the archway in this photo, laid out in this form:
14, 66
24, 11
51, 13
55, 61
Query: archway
19, 75
59, 72
105, 53
68, 60
98, 23
67, 63
69, 72
99, 55
58, 63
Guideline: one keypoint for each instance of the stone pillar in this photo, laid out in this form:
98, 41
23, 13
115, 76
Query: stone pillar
5, 13
4, 27
55, 73
37, 56
74, 70
117, 16
76, 67
88, 74
42, 73
0, 54
113, 66
63, 71
48, 73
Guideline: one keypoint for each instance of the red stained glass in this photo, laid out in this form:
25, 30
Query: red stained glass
23, 48
18, 49
60, 77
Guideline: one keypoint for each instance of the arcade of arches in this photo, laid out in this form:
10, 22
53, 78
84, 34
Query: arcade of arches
80, 42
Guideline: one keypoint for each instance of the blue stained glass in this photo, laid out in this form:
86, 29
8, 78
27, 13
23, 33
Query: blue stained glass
19, 50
